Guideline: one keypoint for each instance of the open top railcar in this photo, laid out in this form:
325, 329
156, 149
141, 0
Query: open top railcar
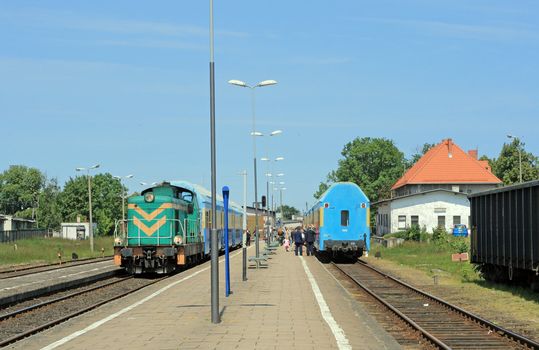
168, 226
341, 217
505, 233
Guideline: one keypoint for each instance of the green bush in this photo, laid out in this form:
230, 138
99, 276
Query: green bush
439, 235
460, 245
413, 233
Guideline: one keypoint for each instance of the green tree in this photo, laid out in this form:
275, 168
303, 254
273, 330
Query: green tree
374, 164
19, 190
506, 166
288, 211
48, 213
106, 201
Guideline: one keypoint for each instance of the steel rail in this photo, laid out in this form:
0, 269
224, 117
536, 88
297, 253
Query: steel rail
502, 331
408, 320
73, 314
55, 300
66, 264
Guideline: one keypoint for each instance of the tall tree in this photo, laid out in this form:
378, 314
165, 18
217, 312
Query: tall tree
374, 164
106, 201
507, 165
288, 211
48, 213
19, 190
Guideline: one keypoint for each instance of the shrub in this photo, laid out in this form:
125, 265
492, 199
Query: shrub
460, 245
413, 233
439, 235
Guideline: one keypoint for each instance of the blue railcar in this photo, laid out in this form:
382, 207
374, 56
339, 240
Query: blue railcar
235, 218
342, 220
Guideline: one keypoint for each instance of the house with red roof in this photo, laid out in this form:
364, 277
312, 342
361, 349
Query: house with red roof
433, 193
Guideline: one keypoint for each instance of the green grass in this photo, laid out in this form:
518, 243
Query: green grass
432, 257
44, 250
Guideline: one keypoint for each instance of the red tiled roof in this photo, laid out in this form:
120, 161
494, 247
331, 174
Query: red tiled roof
447, 163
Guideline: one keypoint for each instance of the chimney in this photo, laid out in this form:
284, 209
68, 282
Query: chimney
449, 143
473, 153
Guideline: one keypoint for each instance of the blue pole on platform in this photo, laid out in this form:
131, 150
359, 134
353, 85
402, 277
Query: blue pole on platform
226, 192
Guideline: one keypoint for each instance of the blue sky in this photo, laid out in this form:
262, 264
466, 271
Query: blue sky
125, 83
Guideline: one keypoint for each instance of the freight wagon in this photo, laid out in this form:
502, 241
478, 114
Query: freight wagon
505, 233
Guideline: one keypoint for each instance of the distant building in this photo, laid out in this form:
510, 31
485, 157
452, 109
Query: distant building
433, 193
75, 230
12, 223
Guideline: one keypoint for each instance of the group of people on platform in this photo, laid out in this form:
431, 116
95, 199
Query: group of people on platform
300, 237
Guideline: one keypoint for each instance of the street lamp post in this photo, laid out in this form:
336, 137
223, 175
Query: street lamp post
254, 134
244, 226
90, 229
123, 195
268, 175
512, 137
214, 241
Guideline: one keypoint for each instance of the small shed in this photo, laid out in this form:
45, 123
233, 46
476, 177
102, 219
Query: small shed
75, 230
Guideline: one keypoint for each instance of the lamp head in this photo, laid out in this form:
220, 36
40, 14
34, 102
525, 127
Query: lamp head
266, 83
238, 83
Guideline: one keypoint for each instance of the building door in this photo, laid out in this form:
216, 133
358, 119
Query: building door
441, 221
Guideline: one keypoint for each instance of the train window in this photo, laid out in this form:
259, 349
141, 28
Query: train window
345, 217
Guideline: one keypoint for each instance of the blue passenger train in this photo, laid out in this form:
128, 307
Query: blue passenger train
342, 220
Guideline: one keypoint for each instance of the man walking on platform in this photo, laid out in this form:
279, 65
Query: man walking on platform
298, 241
309, 238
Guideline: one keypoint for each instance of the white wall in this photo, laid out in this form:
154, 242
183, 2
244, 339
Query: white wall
69, 230
428, 206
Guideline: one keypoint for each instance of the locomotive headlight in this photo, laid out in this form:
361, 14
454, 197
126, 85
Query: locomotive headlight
149, 197
177, 240
118, 241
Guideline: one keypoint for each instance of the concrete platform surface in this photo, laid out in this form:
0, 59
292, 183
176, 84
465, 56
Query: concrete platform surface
22, 287
293, 304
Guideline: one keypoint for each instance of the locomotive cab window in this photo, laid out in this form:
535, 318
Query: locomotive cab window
345, 217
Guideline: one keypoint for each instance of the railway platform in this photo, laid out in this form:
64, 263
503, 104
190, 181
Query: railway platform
295, 303
27, 286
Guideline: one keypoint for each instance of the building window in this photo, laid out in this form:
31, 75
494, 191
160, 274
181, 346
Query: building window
402, 222
456, 220
441, 221
345, 214
414, 220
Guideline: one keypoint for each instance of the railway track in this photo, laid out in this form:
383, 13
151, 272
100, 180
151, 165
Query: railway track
22, 321
29, 270
443, 325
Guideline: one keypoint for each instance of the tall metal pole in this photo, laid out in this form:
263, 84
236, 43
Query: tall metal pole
90, 229
244, 247
123, 212
215, 317
268, 232
281, 200
257, 244
520, 161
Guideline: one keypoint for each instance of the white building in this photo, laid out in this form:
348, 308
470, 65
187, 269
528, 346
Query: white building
75, 230
430, 209
433, 193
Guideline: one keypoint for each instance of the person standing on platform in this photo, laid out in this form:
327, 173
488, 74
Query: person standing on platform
309, 239
298, 241
248, 238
